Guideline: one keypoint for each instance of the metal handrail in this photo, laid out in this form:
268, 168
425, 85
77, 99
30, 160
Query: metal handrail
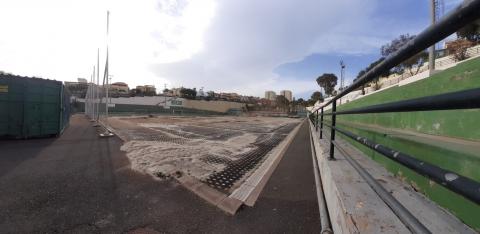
467, 99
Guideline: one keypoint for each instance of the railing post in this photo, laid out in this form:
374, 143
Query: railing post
332, 130
321, 124
316, 121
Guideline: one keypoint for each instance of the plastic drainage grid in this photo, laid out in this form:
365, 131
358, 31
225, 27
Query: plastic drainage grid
236, 169
154, 136
187, 135
212, 133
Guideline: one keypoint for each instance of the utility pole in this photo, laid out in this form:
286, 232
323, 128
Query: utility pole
431, 50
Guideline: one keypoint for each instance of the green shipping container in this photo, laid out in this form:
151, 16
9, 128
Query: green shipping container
32, 107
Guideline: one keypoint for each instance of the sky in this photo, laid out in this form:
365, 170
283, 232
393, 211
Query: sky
243, 46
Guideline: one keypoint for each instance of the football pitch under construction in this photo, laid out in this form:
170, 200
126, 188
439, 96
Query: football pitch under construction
218, 151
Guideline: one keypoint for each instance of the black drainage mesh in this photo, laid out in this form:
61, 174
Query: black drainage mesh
209, 133
235, 170
151, 135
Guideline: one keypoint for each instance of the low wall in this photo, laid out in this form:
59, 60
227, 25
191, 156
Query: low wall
354, 207
217, 106
175, 102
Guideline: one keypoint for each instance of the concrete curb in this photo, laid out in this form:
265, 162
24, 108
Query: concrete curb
211, 195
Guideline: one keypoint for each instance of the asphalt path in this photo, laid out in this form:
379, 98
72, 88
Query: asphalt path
79, 183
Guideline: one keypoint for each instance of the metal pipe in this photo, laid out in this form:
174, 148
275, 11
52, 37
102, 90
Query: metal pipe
321, 124
467, 12
322, 205
466, 99
410, 221
468, 188
332, 133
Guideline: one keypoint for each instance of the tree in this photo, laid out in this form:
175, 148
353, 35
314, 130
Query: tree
376, 79
327, 81
188, 93
360, 74
317, 96
395, 44
459, 48
415, 61
211, 94
300, 102
470, 32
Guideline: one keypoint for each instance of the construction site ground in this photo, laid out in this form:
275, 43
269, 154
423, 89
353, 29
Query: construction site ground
80, 183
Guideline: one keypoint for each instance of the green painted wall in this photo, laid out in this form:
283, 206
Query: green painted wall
464, 164
456, 123
464, 124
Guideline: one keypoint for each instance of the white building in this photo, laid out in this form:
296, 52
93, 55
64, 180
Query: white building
270, 95
287, 94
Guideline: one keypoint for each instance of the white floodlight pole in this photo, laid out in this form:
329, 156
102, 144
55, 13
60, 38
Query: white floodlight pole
342, 76
107, 132
431, 50
98, 83
107, 72
90, 98
89, 91
92, 95
85, 104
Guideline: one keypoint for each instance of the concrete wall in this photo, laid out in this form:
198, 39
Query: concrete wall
149, 101
217, 106
167, 102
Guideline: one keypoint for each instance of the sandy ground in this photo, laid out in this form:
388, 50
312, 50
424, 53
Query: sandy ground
198, 146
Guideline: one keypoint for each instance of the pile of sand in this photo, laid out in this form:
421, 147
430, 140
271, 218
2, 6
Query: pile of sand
154, 157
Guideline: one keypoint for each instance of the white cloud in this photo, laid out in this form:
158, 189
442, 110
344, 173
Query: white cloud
223, 45
248, 39
58, 39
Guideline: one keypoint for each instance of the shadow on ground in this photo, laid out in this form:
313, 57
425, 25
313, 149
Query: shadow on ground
83, 184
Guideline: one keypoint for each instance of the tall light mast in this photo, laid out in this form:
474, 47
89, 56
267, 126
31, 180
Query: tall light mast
106, 76
97, 96
342, 77
431, 50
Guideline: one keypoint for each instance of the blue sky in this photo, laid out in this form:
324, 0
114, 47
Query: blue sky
243, 46
391, 18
